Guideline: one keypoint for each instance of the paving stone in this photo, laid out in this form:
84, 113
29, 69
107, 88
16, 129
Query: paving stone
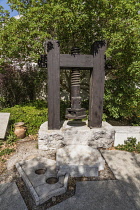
10, 197
126, 168
97, 195
79, 160
40, 190
4, 118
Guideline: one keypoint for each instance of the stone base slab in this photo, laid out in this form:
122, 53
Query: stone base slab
79, 160
40, 190
75, 133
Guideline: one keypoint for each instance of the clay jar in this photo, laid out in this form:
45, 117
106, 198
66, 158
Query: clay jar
20, 130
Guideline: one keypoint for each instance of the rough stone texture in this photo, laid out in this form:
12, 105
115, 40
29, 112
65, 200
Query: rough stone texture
4, 118
101, 138
79, 160
123, 132
97, 195
126, 168
49, 139
10, 197
40, 190
75, 133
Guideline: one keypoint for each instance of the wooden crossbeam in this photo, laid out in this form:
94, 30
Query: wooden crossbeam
76, 61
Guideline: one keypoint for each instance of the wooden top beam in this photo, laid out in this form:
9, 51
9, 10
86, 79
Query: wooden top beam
76, 61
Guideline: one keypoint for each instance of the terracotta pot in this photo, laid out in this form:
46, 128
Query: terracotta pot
20, 130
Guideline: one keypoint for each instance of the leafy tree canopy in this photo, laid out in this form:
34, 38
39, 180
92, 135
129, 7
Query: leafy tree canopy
78, 22
4, 15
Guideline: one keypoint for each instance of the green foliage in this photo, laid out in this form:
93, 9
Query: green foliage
10, 138
18, 86
1, 142
6, 151
63, 106
138, 147
81, 23
130, 145
4, 15
33, 114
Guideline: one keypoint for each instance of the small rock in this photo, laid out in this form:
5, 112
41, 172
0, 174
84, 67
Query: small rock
53, 199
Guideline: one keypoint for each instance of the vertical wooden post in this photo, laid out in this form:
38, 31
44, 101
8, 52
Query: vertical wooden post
53, 65
97, 77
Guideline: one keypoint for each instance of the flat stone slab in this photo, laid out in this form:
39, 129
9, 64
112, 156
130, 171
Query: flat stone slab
4, 119
10, 197
36, 172
123, 132
79, 160
97, 195
126, 168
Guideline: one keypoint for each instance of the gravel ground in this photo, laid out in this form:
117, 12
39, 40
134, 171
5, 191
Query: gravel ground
23, 152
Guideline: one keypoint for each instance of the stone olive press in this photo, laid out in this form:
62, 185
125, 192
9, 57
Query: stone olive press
94, 133
95, 62
75, 145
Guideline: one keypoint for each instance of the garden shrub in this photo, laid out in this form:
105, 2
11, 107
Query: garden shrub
33, 114
6, 151
138, 147
130, 145
18, 85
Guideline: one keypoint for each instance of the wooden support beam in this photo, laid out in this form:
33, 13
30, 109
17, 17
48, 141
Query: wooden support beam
97, 78
53, 66
76, 61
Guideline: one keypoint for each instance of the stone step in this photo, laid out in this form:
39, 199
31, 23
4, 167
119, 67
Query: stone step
79, 160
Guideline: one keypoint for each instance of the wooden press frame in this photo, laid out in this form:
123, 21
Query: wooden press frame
94, 62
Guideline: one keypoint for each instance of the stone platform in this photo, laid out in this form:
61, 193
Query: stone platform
75, 133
